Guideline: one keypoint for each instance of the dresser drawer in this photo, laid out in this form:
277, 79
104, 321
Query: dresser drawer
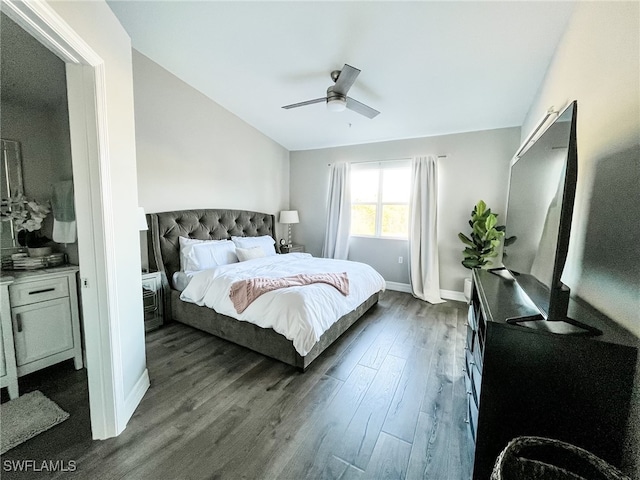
471, 318
469, 362
39, 291
472, 418
477, 352
470, 336
476, 384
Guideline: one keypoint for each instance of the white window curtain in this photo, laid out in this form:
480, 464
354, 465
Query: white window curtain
424, 268
336, 238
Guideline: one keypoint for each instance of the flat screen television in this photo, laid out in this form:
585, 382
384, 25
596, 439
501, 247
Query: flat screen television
542, 188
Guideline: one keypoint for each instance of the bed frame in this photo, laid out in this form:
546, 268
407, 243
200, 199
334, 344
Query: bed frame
216, 224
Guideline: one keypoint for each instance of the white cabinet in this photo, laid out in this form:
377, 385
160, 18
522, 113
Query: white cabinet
8, 370
41, 330
45, 318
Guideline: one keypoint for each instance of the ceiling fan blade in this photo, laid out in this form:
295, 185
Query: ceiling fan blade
308, 102
361, 108
347, 76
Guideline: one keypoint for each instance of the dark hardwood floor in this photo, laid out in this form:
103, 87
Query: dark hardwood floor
386, 401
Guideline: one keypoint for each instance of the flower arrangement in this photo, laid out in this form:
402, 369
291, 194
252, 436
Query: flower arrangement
27, 217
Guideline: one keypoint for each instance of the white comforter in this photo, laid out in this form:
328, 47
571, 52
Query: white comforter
301, 314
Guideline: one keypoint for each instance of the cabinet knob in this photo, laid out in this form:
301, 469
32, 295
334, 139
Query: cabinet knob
469, 392
464, 370
466, 420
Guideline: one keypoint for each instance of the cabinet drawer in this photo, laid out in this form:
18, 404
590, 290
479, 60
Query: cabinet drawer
149, 301
151, 282
39, 291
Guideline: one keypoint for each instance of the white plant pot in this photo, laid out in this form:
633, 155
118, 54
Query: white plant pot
467, 289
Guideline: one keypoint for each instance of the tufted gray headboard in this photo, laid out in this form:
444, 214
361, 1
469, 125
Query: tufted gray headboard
206, 224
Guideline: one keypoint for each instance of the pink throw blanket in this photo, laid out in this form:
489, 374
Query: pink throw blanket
243, 292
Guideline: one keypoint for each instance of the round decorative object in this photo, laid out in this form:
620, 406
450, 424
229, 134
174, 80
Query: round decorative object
39, 251
283, 242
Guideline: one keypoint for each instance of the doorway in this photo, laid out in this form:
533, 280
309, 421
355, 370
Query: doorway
37, 167
109, 272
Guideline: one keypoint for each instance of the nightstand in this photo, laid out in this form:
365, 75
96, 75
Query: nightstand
292, 249
152, 300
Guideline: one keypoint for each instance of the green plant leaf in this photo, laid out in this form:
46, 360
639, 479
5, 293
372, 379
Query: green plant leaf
466, 240
471, 263
490, 222
481, 207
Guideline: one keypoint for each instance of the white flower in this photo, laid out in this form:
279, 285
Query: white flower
25, 214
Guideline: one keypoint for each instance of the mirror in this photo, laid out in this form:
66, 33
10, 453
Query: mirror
11, 185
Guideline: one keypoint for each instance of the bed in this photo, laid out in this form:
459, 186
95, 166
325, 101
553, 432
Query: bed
165, 230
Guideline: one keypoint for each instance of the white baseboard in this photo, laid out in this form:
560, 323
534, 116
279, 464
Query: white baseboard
453, 295
399, 287
135, 397
445, 294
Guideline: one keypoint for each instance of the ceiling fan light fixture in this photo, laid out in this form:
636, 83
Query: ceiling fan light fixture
336, 104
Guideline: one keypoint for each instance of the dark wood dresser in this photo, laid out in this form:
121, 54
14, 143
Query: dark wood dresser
527, 381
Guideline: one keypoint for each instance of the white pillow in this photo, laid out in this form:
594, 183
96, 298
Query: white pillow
266, 242
185, 243
208, 254
245, 254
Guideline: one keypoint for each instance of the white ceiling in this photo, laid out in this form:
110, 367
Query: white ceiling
431, 68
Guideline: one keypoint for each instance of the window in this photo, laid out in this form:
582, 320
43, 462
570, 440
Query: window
380, 199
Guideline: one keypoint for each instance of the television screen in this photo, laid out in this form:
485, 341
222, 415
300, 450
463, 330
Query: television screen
539, 209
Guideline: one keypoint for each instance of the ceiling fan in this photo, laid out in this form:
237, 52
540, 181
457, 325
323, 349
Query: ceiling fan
336, 98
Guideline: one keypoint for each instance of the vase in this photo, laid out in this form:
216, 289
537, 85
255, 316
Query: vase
39, 251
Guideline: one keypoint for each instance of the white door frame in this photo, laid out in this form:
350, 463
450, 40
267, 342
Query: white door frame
93, 202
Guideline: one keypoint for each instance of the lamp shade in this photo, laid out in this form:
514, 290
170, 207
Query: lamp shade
142, 220
289, 216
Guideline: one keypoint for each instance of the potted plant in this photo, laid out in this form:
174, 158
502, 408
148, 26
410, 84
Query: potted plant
27, 217
483, 243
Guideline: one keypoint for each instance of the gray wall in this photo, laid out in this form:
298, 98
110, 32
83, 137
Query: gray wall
192, 153
598, 63
36, 116
476, 167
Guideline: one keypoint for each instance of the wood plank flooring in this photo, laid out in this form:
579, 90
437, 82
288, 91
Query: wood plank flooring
387, 401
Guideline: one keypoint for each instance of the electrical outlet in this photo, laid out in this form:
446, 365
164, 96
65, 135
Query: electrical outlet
400, 259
